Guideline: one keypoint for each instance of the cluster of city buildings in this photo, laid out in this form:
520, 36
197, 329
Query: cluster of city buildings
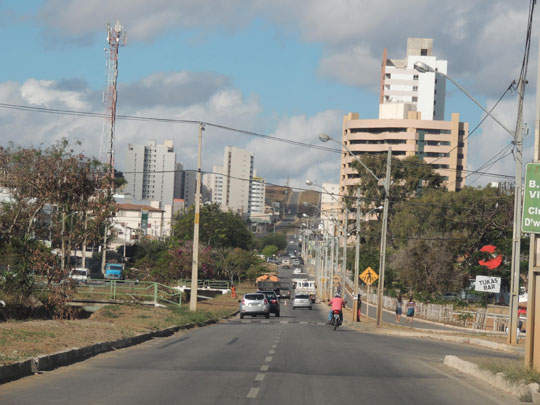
158, 188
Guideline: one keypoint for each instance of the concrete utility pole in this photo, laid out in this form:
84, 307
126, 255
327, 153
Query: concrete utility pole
344, 261
356, 257
382, 257
195, 267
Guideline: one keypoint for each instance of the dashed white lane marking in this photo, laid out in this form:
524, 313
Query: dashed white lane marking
245, 321
283, 321
321, 323
259, 377
265, 321
265, 367
253, 393
274, 346
271, 352
303, 323
268, 359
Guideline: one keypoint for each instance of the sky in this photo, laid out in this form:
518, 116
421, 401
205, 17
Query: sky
285, 68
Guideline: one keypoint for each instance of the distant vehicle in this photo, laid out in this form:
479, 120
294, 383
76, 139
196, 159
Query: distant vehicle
268, 282
450, 296
285, 261
295, 262
272, 260
303, 286
114, 271
254, 304
80, 275
302, 301
297, 271
285, 293
273, 301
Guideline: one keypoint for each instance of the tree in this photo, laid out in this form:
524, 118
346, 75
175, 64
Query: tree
57, 195
269, 250
278, 240
217, 229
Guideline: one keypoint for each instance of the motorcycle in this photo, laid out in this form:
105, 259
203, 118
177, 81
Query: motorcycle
336, 319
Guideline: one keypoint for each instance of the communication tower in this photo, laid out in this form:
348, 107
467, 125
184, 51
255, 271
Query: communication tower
116, 37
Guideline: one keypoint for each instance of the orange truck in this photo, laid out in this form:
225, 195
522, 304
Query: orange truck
268, 282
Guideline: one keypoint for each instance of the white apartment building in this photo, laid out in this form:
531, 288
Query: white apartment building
230, 184
150, 172
330, 206
256, 197
404, 89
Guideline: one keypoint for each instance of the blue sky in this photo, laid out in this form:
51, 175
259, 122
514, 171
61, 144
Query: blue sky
284, 68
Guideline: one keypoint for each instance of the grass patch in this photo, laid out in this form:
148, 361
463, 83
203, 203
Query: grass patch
513, 370
23, 335
107, 313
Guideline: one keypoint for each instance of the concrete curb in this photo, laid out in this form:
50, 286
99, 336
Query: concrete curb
459, 339
46, 362
525, 392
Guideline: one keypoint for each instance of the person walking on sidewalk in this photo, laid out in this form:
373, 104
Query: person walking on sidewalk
399, 307
411, 305
359, 308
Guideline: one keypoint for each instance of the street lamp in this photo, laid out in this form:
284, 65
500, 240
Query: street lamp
517, 135
386, 185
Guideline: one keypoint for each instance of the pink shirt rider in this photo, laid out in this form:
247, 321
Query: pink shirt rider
337, 303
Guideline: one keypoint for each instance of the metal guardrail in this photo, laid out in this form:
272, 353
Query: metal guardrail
129, 291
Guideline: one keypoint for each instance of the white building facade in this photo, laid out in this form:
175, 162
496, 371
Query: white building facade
150, 172
404, 89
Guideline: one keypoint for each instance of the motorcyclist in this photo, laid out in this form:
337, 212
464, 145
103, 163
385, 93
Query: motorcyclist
338, 304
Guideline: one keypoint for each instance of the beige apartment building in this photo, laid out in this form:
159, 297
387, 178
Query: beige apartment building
442, 144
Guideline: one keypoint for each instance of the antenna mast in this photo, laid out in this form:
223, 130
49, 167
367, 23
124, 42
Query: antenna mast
116, 37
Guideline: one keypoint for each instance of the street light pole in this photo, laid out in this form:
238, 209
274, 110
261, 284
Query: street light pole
195, 266
356, 257
382, 258
517, 135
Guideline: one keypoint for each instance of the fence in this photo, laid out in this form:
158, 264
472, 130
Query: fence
217, 284
129, 291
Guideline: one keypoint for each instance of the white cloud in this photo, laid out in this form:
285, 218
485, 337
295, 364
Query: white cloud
276, 161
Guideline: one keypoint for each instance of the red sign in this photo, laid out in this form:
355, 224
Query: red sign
495, 260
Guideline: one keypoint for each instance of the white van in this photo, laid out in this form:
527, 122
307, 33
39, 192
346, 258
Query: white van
80, 275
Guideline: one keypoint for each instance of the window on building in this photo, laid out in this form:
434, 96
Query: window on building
461, 132
415, 99
415, 77
423, 52
415, 88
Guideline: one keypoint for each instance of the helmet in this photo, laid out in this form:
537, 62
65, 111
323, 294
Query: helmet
338, 295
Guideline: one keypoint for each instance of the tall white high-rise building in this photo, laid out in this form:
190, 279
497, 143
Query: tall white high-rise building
404, 89
257, 195
230, 184
150, 172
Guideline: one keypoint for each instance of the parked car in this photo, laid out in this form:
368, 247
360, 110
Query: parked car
302, 301
295, 262
254, 304
450, 296
80, 275
273, 300
285, 261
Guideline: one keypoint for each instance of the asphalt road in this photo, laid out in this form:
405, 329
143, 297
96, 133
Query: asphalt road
296, 358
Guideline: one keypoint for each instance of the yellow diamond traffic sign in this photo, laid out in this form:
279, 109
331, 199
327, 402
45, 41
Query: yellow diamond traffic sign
369, 276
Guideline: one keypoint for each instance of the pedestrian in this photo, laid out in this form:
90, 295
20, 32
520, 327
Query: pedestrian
399, 307
410, 309
233, 291
359, 313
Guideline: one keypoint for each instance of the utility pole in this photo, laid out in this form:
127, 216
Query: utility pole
356, 257
382, 257
344, 261
195, 266
516, 238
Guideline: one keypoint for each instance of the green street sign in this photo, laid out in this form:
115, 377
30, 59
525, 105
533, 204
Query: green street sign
144, 221
531, 201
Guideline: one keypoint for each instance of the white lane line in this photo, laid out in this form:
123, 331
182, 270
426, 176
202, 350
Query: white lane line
303, 323
268, 359
265, 367
244, 321
274, 346
271, 352
253, 393
321, 323
259, 377
283, 321
265, 321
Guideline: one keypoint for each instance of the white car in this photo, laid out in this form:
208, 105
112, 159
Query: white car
297, 271
302, 301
